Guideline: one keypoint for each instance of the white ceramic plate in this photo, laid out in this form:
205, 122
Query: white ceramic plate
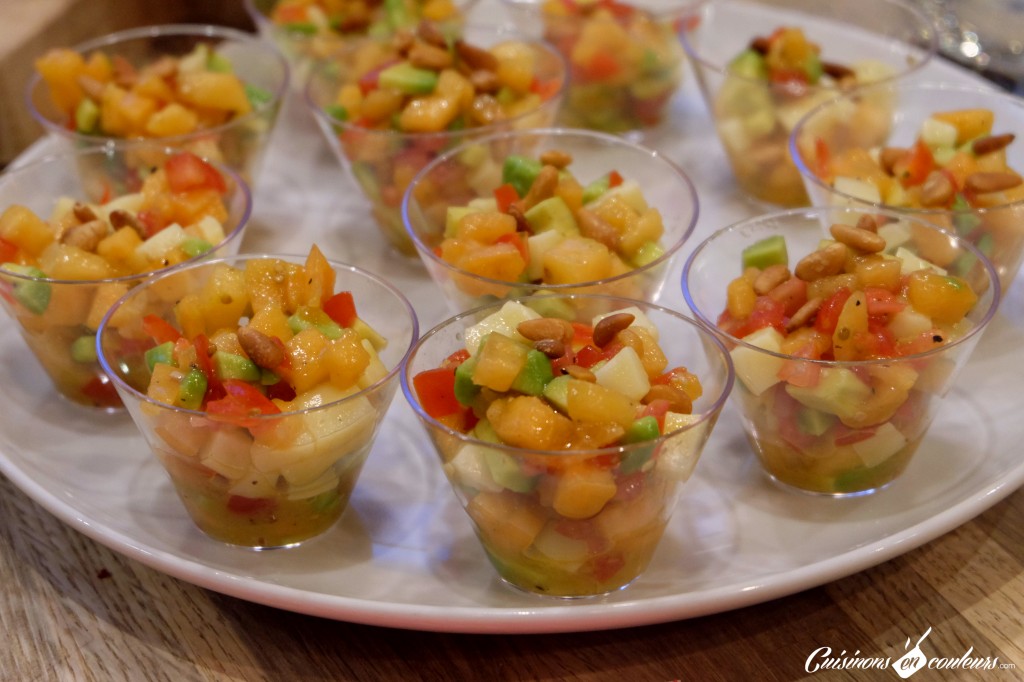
404, 555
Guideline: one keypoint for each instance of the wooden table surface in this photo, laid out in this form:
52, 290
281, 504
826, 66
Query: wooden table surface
74, 610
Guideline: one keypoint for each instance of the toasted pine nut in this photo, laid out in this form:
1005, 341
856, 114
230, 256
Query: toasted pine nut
546, 328
556, 158
994, 181
581, 373
83, 212
771, 277
867, 222
991, 143
85, 236
475, 57
822, 263
889, 156
856, 238
595, 227
937, 189
426, 56
260, 348
428, 32
553, 348
804, 314
607, 327
543, 187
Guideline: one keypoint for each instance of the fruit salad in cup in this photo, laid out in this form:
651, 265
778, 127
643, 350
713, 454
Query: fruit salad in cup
767, 89
259, 385
549, 211
567, 440
954, 172
61, 271
211, 90
625, 59
390, 106
842, 353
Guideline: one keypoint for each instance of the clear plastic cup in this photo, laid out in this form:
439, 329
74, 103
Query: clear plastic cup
625, 59
59, 313
860, 42
842, 426
574, 522
259, 477
631, 264
383, 160
238, 143
829, 146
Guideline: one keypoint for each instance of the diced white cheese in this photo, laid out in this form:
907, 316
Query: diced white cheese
226, 451
895, 234
625, 373
679, 454
858, 189
504, 321
468, 469
911, 262
538, 245
756, 370
938, 134
885, 443
162, 242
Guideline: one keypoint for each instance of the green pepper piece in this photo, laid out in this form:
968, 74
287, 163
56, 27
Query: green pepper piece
164, 353
194, 246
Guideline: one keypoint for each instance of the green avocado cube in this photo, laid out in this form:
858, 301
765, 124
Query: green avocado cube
83, 349
520, 172
641, 430
306, 317
647, 254
233, 366
87, 115
814, 422
765, 252
596, 188
31, 293
534, 375
164, 353
465, 390
408, 79
507, 473
192, 389
552, 214
749, 64
556, 392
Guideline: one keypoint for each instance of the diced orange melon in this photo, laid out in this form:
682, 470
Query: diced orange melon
577, 259
499, 362
271, 321
304, 351
593, 402
507, 523
529, 422
969, 123
60, 69
501, 261
173, 119
485, 226
346, 360
23, 228
213, 90
944, 298
583, 491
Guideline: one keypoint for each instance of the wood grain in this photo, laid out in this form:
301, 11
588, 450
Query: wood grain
74, 610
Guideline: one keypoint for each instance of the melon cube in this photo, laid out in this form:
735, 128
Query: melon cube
583, 491
499, 362
577, 259
507, 523
23, 228
591, 402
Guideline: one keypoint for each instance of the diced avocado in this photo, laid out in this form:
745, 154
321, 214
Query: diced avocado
765, 252
643, 429
257, 96
408, 79
552, 214
535, 375
306, 317
306, 28
233, 366
337, 112
546, 306
839, 391
964, 218
813, 67
647, 254
164, 354
83, 349
749, 64
192, 389
219, 63
194, 246
596, 188
484, 431
557, 392
506, 472
87, 115
31, 293
814, 422
520, 172
268, 378
465, 390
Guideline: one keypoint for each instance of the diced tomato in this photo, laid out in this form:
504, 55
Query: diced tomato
882, 302
800, 372
844, 435
767, 313
614, 179
516, 240
8, 251
455, 359
915, 167
214, 387
100, 390
649, 110
792, 294
159, 329
589, 355
786, 410
505, 195
151, 221
877, 342
281, 390
341, 308
604, 567
435, 389
242, 404
371, 79
250, 505
822, 159
657, 409
186, 171
828, 314
602, 66
559, 364
545, 88
793, 81
582, 333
